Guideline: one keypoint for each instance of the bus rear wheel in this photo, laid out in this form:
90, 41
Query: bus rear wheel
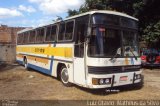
25, 64
64, 76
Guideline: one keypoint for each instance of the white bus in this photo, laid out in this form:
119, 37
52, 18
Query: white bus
97, 49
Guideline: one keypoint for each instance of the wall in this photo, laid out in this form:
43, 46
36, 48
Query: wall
8, 37
7, 53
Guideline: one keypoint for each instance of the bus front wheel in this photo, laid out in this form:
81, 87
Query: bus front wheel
65, 76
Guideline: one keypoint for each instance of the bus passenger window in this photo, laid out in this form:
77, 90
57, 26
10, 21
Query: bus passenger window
32, 36
20, 38
61, 32
53, 33
48, 33
25, 40
69, 31
81, 26
40, 35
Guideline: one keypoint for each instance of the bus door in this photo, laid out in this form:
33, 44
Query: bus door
79, 64
79, 55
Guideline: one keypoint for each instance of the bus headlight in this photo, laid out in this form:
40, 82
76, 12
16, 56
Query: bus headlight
107, 81
138, 76
101, 81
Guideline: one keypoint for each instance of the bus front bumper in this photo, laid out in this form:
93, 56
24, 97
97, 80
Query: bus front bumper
113, 80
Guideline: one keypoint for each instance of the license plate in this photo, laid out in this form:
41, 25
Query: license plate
123, 78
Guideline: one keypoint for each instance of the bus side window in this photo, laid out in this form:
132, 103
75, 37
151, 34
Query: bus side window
40, 35
48, 33
51, 33
80, 33
69, 30
61, 32
20, 38
25, 40
32, 36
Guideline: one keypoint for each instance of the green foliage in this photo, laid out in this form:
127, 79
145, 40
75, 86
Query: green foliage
138, 7
152, 32
72, 12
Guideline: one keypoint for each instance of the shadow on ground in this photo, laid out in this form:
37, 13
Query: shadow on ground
5, 66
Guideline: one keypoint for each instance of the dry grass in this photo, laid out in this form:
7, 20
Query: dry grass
16, 83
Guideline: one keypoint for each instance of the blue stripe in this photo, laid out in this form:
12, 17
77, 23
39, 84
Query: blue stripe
43, 70
40, 69
20, 62
51, 64
132, 61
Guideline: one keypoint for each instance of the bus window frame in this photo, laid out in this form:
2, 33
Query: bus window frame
121, 28
27, 34
30, 35
71, 40
20, 34
76, 35
40, 42
57, 30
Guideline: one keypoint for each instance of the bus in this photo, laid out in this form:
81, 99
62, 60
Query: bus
96, 49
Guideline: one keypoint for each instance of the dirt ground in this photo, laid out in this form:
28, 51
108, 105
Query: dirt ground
18, 84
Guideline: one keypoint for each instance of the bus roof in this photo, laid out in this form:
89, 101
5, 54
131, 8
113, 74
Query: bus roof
103, 11
83, 14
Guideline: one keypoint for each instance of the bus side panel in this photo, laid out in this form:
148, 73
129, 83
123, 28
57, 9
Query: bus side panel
65, 60
41, 69
37, 65
19, 58
40, 64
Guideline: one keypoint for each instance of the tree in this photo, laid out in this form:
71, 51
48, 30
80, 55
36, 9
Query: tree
72, 12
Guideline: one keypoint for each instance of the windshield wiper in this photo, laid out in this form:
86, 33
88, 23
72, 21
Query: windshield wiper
118, 52
129, 49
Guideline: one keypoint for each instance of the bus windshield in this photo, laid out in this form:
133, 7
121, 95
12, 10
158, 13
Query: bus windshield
107, 39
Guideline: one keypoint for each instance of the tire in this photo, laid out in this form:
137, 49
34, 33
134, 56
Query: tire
26, 64
64, 76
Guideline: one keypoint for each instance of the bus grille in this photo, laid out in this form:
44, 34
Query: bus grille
111, 69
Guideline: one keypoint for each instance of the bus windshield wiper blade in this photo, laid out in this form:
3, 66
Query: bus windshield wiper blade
117, 53
129, 49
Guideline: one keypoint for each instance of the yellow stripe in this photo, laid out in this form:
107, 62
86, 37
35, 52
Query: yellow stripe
38, 59
126, 61
34, 58
54, 51
49, 46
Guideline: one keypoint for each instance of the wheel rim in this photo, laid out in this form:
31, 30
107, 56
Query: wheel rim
25, 64
64, 75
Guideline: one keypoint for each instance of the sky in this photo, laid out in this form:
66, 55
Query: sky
32, 13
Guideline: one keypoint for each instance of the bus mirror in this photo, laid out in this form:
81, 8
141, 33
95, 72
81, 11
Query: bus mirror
89, 32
